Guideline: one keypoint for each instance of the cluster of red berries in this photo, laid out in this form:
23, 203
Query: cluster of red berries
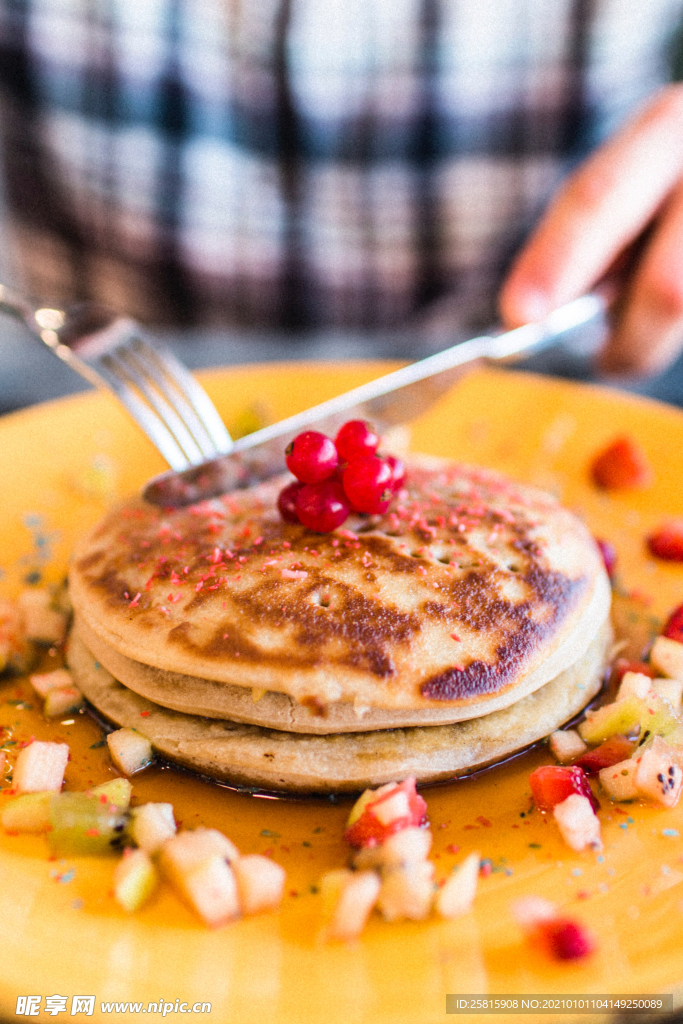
335, 478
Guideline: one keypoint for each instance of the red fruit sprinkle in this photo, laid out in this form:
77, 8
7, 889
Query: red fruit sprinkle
623, 666
622, 465
566, 939
356, 439
667, 542
609, 555
674, 626
553, 783
368, 483
286, 502
311, 457
323, 506
612, 751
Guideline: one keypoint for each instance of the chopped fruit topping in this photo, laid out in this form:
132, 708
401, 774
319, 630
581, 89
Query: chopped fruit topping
196, 864
667, 541
135, 879
634, 684
622, 666
260, 883
566, 745
666, 657
311, 457
397, 806
28, 813
62, 701
407, 890
115, 791
623, 464
674, 625
348, 899
409, 845
671, 690
356, 439
84, 825
566, 939
609, 555
322, 507
457, 895
40, 767
151, 825
616, 748
551, 784
43, 682
622, 717
368, 483
658, 776
42, 622
129, 750
619, 780
286, 502
578, 822
16, 654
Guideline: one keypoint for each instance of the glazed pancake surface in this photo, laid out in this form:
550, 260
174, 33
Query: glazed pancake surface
274, 760
468, 594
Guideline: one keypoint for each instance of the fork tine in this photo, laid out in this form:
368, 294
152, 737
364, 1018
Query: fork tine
123, 363
194, 395
154, 368
155, 429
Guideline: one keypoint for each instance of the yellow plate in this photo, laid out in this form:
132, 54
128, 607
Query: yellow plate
63, 933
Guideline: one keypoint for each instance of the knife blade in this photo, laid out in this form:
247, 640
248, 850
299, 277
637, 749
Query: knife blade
397, 397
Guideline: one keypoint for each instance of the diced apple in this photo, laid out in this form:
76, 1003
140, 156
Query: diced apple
578, 823
566, 745
151, 825
393, 808
658, 776
618, 781
28, 813
44, 682
135, 879
407, 891
666, 657
366, 798
40, 767
405, 847
82, 825
62, 701
634, 684
348, 899
456, 897
671, 690
116, 791
260, 883
16, 653
195, 863
129, 750
42, 621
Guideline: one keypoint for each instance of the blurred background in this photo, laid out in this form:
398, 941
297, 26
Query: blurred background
284, 128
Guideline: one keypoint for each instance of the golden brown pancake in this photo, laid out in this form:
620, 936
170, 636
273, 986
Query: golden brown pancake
277, 760
471, 593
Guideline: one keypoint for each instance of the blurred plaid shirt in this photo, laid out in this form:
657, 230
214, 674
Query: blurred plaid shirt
303, 163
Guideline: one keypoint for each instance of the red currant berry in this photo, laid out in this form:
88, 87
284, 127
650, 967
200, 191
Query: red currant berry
356, 439
311, 457
286, 502
398, 472
323, 506
368, 483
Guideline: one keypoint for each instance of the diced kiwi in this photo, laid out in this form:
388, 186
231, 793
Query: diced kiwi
624, 717
117, 791
27, 813
135, 879
82, 825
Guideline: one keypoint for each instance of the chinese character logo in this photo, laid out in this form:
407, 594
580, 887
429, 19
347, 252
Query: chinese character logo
83, 1004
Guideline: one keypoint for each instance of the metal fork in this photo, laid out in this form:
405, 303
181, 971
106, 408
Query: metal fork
112, 352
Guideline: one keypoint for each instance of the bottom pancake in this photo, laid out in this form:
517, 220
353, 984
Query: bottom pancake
249, 755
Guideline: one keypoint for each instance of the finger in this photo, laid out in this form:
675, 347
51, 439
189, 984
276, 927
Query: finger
649, 333
603, 207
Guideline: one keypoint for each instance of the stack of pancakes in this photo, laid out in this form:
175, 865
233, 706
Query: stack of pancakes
467, 622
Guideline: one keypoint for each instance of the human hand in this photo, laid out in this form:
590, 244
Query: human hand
631, 184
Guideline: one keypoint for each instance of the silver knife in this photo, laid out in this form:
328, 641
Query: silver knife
397, 397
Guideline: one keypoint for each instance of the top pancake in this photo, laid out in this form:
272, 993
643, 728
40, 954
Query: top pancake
468, 594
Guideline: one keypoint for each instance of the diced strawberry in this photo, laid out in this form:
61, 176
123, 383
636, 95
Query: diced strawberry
623, 665
612, 751
566, 939
623, 464
553, 783
674, 625
609, 555
667, 542
376, 824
